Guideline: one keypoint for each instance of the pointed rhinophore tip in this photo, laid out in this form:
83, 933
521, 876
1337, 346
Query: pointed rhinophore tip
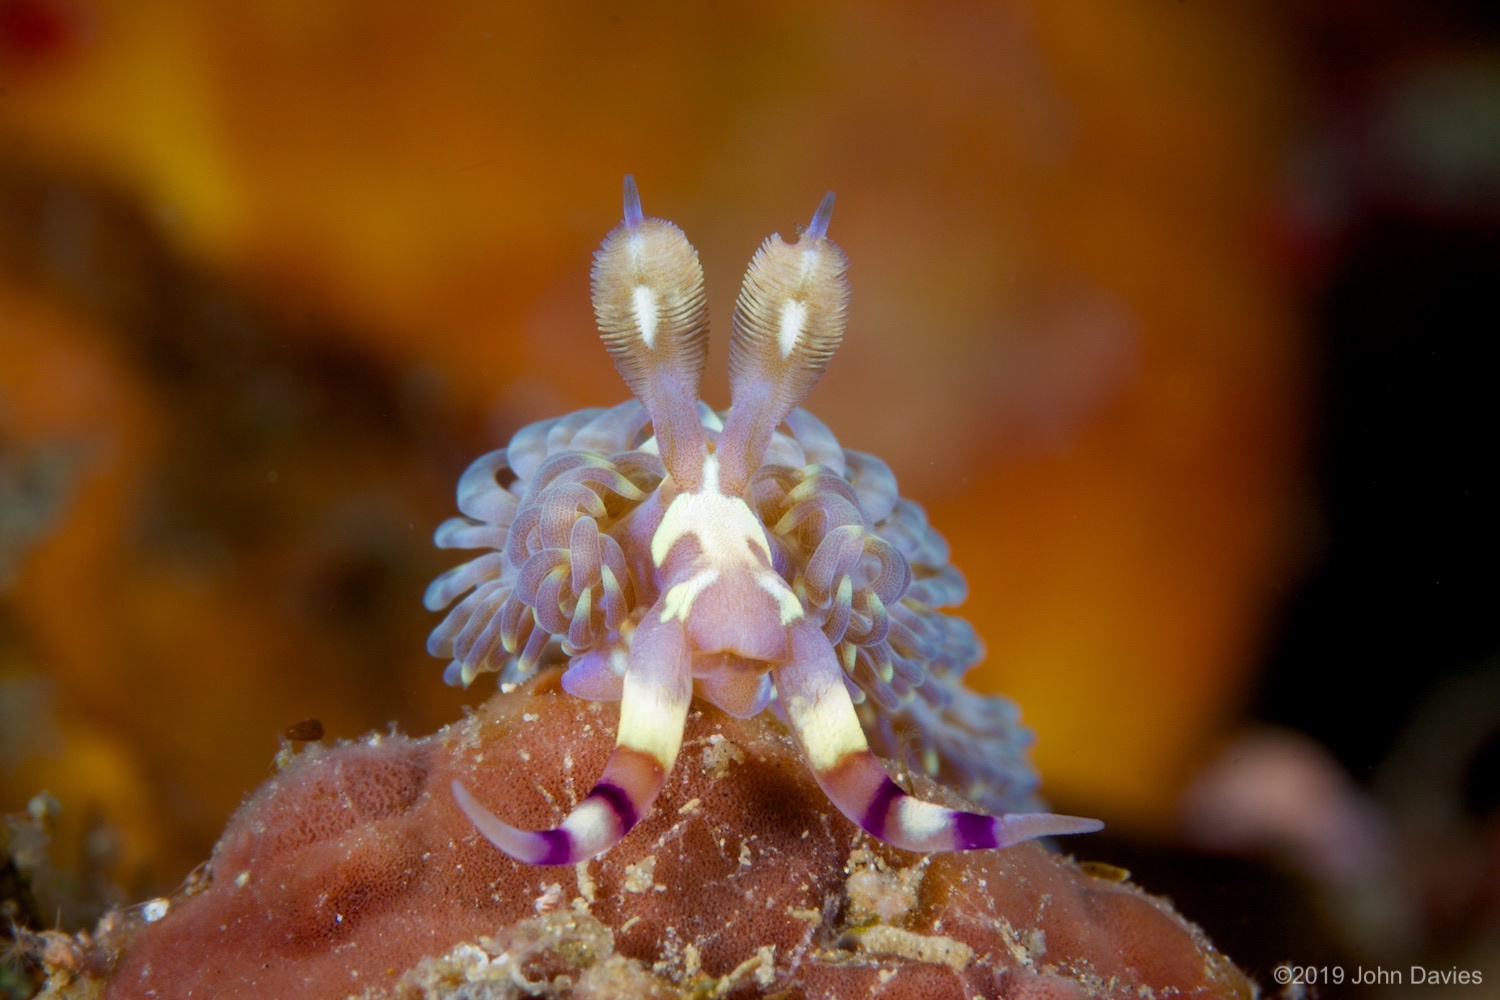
633, 214
818, 228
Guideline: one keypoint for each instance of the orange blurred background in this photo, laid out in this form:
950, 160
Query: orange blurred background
271, 275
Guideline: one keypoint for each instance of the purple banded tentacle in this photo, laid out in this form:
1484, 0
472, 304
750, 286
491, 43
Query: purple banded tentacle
653, 711
818, 707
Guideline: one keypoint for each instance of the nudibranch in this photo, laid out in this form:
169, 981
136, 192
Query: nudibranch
661, 550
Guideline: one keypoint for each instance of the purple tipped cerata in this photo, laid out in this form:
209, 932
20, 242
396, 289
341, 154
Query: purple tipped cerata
659, 551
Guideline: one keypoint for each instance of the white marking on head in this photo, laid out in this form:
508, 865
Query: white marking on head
793, 319
645, 313
730, 539
786, 601
678, 600
726, 529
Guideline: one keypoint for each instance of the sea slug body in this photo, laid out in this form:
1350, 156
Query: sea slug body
660, 550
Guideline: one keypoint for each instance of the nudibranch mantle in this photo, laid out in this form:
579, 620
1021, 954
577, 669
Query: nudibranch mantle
662, 550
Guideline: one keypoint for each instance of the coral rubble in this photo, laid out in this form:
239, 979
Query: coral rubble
352, 872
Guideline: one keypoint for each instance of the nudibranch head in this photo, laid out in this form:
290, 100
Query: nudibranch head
660, 550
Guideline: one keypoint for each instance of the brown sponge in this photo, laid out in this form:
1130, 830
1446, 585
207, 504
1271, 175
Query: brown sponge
353, 873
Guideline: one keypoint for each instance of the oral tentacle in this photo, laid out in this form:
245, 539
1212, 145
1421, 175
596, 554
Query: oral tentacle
653, 316
788, 321
811, 688
653, 711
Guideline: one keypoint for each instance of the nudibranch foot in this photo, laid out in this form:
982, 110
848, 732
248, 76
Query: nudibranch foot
660, 549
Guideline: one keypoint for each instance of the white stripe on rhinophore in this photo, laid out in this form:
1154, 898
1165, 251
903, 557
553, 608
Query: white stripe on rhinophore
793, 316
650, 721
809, 261
645, 313
678, 600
